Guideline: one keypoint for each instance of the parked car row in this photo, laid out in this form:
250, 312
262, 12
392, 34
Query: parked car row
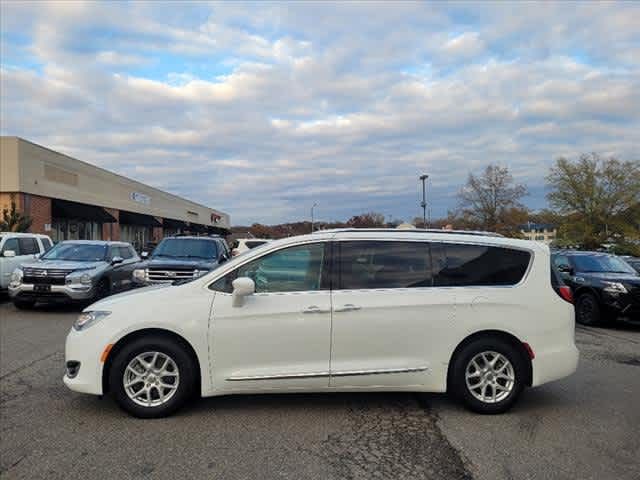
604, 286
84, 271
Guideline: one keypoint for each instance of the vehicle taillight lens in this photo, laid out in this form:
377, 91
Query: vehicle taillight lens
565, 293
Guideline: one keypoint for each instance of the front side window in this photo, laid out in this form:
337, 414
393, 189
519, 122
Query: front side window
77, 252
293, 269
379, 264
477, 265
11, 244
46, 243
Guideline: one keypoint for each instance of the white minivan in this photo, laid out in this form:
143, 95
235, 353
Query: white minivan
18, 248
478, 316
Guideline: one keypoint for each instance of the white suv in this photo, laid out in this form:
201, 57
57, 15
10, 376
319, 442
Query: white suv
343, 310
17, 248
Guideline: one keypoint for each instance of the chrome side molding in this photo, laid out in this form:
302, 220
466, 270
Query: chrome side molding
344, 373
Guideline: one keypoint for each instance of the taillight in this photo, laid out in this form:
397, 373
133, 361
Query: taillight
565, 293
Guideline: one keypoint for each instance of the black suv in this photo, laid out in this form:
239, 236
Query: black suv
604, 286
181, 258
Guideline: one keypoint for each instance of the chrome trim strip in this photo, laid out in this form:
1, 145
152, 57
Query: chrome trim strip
280, 376
383, 371
345, 373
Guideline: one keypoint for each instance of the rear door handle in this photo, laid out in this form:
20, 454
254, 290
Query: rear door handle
349, 307
314, 309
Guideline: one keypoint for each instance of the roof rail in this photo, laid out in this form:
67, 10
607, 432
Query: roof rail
415, 230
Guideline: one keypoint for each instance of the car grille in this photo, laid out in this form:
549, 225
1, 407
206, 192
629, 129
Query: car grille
54, 276
168, 275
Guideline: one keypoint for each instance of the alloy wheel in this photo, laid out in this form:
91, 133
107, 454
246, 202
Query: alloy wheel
490, 377
151, 379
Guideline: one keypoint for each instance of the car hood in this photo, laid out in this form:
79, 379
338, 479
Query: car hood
198, 263
612, 277
115, 299
63, 265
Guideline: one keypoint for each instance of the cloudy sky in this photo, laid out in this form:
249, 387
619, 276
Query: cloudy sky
262, 109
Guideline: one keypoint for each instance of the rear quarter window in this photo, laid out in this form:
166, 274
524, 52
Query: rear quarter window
477, 265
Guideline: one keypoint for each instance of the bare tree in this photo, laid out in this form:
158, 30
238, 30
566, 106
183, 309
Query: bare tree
491, 200
597, 197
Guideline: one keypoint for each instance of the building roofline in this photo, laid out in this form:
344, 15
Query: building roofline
178, 197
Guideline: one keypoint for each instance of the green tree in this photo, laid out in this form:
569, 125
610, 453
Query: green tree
598, 199
491, 201
14, 221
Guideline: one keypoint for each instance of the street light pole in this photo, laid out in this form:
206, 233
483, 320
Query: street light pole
423, 204
312, 207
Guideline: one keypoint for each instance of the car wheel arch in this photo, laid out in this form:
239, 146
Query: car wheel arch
136, 334
583, 290
506, 336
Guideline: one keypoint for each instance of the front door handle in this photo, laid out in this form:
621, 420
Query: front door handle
314, 309
349, 307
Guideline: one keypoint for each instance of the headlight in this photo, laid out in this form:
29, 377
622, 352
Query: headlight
86, 319
16, 277
139, 274
85, 279
614, 287
198, 273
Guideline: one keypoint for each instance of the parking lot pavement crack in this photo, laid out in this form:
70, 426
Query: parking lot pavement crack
391, 437
24, 367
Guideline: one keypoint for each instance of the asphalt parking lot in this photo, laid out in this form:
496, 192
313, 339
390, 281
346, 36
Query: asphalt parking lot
583, 427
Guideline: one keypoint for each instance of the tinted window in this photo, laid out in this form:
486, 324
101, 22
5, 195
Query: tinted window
481, 265
294, 269
125, 252
78, 252
28, 246
600, 263
11, 244
186, 248
253, 244
370, 264
46, 243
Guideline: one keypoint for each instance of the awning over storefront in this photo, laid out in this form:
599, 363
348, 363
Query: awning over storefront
80, 211
130, 218
176, 224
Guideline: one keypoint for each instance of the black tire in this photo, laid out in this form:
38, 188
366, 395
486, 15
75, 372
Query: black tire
458, 381
153, 343
24, 304
588, 310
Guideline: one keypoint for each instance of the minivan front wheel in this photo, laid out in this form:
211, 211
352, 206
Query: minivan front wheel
151, 377
488, 375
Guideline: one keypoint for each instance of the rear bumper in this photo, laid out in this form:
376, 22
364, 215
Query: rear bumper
554, 365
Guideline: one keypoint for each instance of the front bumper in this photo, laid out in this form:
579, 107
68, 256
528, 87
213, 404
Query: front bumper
85, 347
57, 293
624, 304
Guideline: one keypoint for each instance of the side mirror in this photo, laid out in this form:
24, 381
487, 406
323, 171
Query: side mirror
242, 287
9, 253
144, 254
565, 269
116, 260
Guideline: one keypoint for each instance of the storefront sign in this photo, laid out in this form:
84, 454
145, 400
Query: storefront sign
141, 198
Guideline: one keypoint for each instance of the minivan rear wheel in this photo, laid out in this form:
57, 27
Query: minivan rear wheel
488, 375
152, 377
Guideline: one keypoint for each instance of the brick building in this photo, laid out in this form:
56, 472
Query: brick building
70, 199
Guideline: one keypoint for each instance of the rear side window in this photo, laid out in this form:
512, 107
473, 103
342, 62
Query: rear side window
28, 246
477, 265
374, 264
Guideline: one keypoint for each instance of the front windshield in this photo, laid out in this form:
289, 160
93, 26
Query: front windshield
77, 252
601, 263
186, 248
